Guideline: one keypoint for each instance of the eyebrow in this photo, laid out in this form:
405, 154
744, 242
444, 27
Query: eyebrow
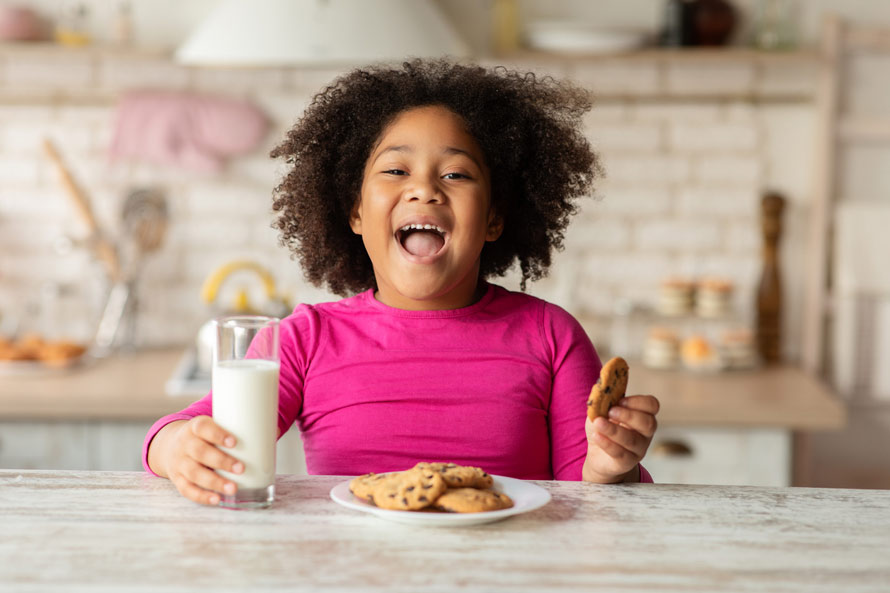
447, 150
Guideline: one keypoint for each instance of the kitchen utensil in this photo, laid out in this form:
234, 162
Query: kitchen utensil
102, 247
144, 222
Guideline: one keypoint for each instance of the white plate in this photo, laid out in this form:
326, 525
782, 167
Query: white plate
526, 497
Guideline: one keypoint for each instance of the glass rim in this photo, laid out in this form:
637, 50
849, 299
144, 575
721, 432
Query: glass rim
249, 321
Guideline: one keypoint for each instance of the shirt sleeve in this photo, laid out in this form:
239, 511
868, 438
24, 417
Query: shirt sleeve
575, 367
299, 338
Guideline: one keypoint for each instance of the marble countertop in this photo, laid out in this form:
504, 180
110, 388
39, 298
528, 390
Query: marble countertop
131, 386
127, 531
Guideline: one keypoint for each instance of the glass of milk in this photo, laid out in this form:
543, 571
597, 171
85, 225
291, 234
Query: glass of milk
244, 383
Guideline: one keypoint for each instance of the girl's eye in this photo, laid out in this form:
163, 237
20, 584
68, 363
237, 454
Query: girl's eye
395, 172
455, 176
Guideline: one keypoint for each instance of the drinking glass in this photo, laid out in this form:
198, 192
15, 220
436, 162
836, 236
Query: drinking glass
244, 382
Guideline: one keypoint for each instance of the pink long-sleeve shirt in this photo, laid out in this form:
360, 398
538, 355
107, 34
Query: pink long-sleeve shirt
501, 384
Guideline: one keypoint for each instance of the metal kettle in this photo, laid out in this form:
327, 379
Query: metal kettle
274, 305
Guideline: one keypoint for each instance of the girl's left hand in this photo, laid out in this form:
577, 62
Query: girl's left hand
616, 445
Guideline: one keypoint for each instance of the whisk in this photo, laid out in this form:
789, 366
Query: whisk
144, 216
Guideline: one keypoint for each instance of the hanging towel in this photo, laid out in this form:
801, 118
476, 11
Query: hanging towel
192, 131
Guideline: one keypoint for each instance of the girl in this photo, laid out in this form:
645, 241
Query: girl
412, 186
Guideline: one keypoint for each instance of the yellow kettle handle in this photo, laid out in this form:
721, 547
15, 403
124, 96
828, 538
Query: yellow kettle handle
214, 281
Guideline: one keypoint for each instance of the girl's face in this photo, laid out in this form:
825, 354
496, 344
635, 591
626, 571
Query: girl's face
424, 212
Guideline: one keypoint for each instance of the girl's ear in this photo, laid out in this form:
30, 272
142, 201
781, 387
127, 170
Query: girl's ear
495, 227
355, 219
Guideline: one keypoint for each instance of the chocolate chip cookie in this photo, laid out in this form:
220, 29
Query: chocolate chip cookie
458, 476
609, 388
408, 490
472, 500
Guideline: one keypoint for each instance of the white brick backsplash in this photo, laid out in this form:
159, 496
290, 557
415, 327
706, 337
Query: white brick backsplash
631, 200
605, 112
309, 80
629, 136
208, 232
125, 73
712, 137
744, 270
237, 81
25, 234
605, 78
26, 137
218, 198
623, 268
19, 171
22, 113
744, 236
604, 234
678, 235
709, 78
36, 204
740, 112
745, 170
718, 200
649, 170
283, 109
784, 79
675, 112
49, 70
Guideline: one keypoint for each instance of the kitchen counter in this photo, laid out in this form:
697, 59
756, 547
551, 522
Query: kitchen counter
127, 531
131, 386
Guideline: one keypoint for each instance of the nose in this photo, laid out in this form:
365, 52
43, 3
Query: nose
424, 189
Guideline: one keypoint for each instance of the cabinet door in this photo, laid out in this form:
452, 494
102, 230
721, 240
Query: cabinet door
289, 458
694, 455
44, 445
117, 445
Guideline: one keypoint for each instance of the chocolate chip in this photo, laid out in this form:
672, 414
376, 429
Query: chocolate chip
405, 501
423, 499
409, 488
427, 486
608, 389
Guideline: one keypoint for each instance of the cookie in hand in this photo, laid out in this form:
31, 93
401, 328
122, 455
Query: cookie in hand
609, 388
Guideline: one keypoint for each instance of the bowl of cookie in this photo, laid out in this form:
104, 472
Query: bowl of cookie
33, 353
440, 494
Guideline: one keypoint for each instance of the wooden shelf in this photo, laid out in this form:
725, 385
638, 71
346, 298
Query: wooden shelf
674, 56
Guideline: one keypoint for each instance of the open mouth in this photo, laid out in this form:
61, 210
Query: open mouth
421, 239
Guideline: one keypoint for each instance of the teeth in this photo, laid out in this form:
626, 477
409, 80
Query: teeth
422, 227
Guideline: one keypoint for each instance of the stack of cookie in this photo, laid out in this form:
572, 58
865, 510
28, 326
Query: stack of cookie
447, 487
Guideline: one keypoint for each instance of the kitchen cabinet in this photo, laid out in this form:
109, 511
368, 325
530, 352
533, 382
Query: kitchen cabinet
101, 445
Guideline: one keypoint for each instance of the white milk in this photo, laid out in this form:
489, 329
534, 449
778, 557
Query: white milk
245, 403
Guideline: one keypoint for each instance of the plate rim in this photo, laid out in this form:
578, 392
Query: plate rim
443, 519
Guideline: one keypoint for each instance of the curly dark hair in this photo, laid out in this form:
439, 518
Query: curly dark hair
528, 128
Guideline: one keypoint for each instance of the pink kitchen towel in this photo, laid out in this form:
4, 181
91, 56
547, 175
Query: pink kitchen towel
196, 132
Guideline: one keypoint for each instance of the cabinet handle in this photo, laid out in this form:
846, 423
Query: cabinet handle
674, 448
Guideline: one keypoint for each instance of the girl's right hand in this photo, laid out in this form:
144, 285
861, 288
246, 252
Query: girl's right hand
192, 456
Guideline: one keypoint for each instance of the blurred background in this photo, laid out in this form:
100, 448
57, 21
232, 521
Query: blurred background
734, 251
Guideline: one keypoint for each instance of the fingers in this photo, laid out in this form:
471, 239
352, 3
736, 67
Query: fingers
643, 403
208, 430
619, 441
199, 455
638, 414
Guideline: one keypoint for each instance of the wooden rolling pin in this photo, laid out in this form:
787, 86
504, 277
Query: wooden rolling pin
105, 251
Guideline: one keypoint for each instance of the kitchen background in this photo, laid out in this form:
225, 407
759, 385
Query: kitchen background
690, 144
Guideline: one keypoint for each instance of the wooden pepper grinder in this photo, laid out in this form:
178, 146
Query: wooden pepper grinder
769, 292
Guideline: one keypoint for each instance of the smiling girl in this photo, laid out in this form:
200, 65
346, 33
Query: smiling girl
409, 188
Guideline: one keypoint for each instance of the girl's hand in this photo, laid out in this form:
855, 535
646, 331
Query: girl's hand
190, 454
616, 445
